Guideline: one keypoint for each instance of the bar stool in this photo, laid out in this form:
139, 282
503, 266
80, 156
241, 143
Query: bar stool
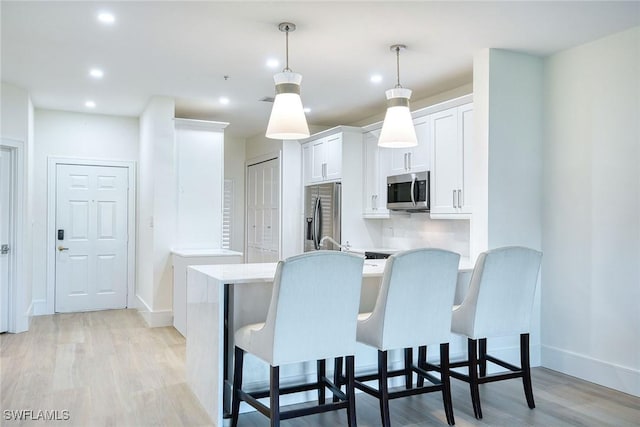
498, 303
413, 309
312, 316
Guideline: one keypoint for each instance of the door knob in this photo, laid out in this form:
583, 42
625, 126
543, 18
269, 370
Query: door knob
62, 248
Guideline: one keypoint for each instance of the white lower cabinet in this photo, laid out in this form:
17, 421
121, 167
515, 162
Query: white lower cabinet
376, 168
451, 133
182, 259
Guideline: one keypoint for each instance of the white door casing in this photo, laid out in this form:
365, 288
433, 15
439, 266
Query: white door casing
91, 258
6, 228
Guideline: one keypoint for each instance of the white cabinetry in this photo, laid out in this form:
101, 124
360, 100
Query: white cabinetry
322, 159
451, 132
414, 159
376, 167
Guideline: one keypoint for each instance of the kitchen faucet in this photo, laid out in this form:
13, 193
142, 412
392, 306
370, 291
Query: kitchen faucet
346, 246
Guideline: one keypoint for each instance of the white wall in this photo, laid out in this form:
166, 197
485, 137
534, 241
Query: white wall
291, 227
156, 210
507, 154
74, 135
16, 123
234, 169
591, 212
199, 164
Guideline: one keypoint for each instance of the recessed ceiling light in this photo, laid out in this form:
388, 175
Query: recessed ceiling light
106, 17
96, 73
376, 78
307, 110
273, 63
223, 100
90, 104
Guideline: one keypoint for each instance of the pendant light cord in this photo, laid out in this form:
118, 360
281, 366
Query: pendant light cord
286, 68
398, 65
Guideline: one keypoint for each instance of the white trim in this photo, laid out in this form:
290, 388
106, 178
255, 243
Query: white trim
52, 162
263, 158
39, 307
331, 131
18, 322
622, 378
199, 124
154, 319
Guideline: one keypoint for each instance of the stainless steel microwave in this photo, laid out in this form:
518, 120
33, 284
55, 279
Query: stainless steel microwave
408, 192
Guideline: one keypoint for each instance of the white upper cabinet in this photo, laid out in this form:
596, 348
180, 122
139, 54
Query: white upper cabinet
322, 159
376, 164
414, 159
451, 131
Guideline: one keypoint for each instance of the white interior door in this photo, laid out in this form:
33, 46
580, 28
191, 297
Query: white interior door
263, 212
91, 256
6, 206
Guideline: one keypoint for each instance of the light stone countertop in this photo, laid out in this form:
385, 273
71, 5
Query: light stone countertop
204, 252
265, 272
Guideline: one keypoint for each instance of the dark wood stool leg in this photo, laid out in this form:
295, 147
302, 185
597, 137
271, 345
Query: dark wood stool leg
422, 363
383, 388
473, 377
482, 349
408, 372
446, 383
322, 373
351, 392
274, 396
526, 369
237, 385
337, 375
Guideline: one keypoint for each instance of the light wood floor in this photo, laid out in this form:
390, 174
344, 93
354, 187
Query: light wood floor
108, 369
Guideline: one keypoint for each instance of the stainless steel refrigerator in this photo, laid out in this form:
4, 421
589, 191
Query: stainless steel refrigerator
322, 216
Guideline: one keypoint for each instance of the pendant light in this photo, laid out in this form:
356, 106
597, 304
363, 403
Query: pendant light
397, 128
287, 120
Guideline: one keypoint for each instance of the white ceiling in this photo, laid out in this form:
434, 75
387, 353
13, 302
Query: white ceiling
184, 49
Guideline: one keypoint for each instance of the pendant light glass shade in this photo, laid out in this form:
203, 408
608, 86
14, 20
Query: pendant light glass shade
287, 120
397, 129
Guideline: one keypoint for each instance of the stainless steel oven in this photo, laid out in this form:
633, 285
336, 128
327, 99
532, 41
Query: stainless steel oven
408, 192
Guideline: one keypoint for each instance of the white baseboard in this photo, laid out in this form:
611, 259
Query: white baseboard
618, 377
39, 307
157, 318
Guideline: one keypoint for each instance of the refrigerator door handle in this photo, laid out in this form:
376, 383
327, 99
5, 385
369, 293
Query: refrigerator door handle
317, 225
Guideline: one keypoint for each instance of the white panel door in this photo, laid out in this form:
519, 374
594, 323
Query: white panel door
6, 206
318, 161
91, 259
333, 157
420, 156
445, 170
263, 212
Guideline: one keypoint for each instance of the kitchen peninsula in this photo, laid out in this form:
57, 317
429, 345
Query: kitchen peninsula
222, 298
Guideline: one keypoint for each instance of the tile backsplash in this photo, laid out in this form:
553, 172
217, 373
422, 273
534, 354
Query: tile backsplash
410, 231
